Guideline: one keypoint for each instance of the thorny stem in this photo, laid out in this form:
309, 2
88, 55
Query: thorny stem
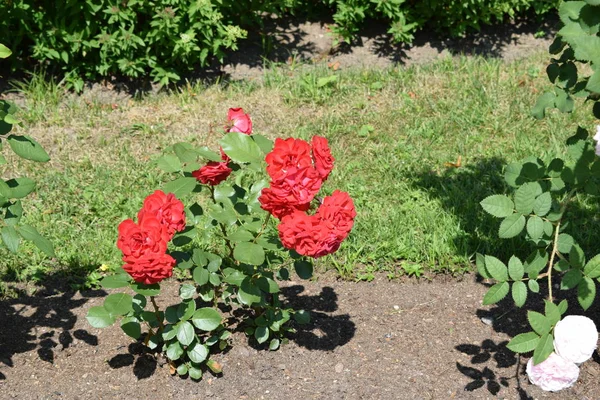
157, 312
263, 227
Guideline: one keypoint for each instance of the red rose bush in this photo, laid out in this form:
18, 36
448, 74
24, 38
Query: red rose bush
224, 244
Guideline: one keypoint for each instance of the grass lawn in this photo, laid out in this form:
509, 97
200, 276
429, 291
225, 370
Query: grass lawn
396, 134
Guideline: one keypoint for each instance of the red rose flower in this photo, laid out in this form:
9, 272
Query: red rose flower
307, 235
167, 209
295, 191
287, 156
237, 121
338, 212
322, 156
151, 269
147, 237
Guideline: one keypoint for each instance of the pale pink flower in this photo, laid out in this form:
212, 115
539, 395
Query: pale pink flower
575, 338
597, 139
553, 374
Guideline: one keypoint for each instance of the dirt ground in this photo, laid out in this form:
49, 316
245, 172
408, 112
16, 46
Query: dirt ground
408, 339
379, 340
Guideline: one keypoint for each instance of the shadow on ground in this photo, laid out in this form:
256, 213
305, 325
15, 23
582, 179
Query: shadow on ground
42, 322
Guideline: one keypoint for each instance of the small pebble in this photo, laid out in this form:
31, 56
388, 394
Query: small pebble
396, 308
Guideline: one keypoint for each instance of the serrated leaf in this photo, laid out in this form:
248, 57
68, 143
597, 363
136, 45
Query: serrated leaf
552, 312
565, 243
535, 227
115, 281
118, 303
543, 349
570, 279
542, 204
27, 148
169, 163
525, 197
592, 268
180, 186
187, 291
20, 187
577, 257
519, 293
206, 319
131, 327
28, 232
496, 293
544, 101
586, 292
10, 238
562, 306
98, 317
480, 263
540, 324
524, 342
249, 253
185, 333
515, 269
593, 84
496, 268
174, 351
241, 148
511, 226
498, 205
533, 285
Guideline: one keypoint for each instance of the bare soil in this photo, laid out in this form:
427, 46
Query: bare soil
379, 340
402, 339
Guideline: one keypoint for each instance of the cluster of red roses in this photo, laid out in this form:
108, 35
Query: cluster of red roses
144, 244
297, 170
215, 172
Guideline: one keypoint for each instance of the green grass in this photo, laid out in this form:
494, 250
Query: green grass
392, 132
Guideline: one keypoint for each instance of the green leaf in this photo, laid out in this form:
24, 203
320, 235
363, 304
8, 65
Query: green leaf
115, 281
146, 290
249, 253
261, 334
265, 144
533, 285
186, 309
118, 303
304, 269
208, 154
571, 279
524, 342
27, 148
540, 324
241, 235
185, 333
241, 148
552, 312
200, 276
498, 205
544, 101
174, 351
20, 187
274, 344
197, 352
28, 232
214, 366
206, 319
525, 197
185, 152
496, 268
577, 258
248, 293
302, 317
195, 373
592, 268
98, 317
593, 84
480, 263
515, 269
535, 227
267, 285
519, 293
543, 349
511, 226
182, 369
131, 327
233, 277
562, 266
536, 261
565, 243
542, 204
180, 186
586, 292
10, 238
496, 293
562, 306
187, 291
169, 332
4, 51
169, 163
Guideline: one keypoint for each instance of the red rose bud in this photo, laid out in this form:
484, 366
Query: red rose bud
167, 209
322, 156
237, 121
212, 173
151, 269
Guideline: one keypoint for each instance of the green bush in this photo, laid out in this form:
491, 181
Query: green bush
161, 39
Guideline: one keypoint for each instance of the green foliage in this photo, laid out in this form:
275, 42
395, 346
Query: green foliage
163, 39
12, 228
545, 188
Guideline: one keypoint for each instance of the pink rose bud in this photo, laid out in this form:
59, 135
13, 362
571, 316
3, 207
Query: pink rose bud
553, 374
575, 338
